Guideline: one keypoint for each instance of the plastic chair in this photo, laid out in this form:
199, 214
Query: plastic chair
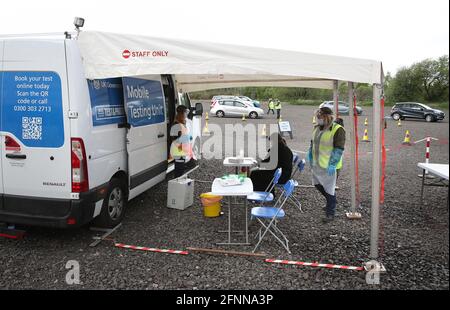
268, 217
300, 167
266, 196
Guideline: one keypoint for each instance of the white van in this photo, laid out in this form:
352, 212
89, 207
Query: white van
71, 149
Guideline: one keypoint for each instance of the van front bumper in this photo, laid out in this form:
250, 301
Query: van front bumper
48, 212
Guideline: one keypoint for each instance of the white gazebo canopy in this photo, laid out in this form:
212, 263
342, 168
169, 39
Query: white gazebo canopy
201, 66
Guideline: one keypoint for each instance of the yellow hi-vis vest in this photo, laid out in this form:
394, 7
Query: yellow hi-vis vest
325, 146
278, 106
271, 105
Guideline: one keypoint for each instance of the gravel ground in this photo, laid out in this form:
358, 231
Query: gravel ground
414, 245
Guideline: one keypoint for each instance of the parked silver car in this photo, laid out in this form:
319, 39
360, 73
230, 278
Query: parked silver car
235, 107
342, 106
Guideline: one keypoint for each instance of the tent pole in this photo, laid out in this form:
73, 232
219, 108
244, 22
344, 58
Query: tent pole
336, 97
352, 214
376, 168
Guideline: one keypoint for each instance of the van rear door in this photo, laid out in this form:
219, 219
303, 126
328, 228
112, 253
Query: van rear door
35, 136
146, 136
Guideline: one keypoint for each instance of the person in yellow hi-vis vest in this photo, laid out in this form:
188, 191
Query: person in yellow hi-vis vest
278, 108
271, 107
325, 157
181, 146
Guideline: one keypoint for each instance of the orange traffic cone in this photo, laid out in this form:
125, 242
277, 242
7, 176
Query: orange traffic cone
399, 123
366, 122
206, 116
407, 140
366, 136
243, 118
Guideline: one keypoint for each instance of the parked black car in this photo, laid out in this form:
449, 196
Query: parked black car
404, 110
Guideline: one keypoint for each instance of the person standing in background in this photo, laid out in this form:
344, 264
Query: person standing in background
278, 108
271, 107
324, 156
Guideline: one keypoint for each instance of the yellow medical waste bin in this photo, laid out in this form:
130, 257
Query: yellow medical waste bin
211, 204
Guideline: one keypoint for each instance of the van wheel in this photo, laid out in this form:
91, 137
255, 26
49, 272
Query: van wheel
220, 114
113, 207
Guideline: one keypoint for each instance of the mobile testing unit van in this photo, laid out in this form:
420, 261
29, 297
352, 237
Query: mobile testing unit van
74, 149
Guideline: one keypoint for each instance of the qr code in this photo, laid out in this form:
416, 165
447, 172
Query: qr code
32, 128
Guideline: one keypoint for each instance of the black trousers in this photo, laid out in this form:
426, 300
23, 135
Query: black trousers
181, 167
331, 200
278, 113
261, 179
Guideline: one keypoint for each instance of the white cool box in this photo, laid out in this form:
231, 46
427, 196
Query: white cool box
180, 193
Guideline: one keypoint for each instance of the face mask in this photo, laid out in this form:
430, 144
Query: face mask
320, 122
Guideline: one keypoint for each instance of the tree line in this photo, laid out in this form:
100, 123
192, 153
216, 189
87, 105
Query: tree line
426, 81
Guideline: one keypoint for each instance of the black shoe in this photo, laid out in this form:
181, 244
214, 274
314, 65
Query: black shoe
328, 219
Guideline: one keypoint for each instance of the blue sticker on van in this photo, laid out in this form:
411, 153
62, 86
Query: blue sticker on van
144, 101
106, 101
31, 108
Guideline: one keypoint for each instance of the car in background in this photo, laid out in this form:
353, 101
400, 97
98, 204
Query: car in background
343, 107
235, 107
402, 110
215, 98
255, 103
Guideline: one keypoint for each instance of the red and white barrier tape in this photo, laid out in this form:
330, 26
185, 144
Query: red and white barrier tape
288, 262
141, 248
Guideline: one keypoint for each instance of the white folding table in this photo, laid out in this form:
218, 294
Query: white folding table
239, 162
242, 190
439, 170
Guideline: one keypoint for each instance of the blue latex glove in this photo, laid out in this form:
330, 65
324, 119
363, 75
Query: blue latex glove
331, 170
335, 157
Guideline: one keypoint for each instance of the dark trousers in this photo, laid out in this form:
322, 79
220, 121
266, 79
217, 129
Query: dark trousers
268, 112
181, 167
261, 179
331, 200
278, 113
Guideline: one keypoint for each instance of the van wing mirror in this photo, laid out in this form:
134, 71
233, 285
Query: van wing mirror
198, 109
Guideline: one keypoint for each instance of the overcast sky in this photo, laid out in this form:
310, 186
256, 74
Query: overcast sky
397, 32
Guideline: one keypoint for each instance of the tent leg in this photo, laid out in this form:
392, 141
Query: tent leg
352, 214
336, 98
376, 172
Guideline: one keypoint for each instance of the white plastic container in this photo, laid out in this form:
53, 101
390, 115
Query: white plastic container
180, 193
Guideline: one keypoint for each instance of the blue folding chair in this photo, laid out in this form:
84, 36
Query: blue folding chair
268, 217
300, 167
265, 196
